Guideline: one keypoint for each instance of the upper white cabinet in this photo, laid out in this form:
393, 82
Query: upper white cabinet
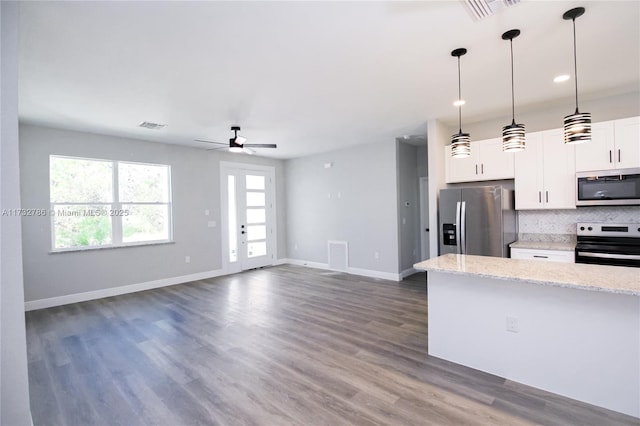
614, 145
545, 172
486, 162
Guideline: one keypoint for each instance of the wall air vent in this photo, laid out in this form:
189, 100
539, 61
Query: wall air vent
480, 9
152, 126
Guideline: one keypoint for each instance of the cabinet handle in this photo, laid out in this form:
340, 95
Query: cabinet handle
540, 196
618, 156
547, 196
476, 169
610, 157
540, 257
482, 165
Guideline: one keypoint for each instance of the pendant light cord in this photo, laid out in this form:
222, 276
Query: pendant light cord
575, 62
513, 102
459, 99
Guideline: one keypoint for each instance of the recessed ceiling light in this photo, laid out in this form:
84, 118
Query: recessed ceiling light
152, 126
561, 78
459, 102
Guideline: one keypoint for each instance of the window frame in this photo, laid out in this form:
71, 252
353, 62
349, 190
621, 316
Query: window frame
115, 205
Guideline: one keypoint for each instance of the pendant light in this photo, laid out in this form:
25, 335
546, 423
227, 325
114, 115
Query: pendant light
513, 134
460, 142
577, 126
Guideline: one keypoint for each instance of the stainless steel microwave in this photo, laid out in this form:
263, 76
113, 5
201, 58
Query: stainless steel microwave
608, 188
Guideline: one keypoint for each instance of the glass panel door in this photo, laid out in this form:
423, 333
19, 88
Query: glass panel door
250, 218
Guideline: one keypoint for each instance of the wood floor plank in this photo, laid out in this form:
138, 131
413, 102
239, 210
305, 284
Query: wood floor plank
287, 345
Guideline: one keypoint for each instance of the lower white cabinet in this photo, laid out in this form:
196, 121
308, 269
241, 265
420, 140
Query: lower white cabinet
546, 255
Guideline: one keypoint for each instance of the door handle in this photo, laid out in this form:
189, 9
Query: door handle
426, 230
476, 169
618, 156
243, 232
610, 157
482, 168
547, 196
540, 197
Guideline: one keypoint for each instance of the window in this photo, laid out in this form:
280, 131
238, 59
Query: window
104, 203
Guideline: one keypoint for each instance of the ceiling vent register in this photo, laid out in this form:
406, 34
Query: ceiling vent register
480, 9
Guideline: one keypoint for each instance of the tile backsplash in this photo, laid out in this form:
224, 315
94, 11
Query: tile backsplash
564, 221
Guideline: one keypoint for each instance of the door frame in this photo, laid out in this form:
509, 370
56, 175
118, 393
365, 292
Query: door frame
272, 243
424, 219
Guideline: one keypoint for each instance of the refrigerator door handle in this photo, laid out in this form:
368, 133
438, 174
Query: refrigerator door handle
463, 228
458, 246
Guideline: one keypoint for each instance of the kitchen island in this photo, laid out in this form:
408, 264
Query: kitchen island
571, 329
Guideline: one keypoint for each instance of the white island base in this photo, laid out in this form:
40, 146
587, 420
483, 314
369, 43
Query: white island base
574, 342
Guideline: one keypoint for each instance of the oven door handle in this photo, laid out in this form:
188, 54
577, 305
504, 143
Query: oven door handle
609, 255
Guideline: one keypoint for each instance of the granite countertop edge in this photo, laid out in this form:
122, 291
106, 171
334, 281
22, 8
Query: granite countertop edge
528, 278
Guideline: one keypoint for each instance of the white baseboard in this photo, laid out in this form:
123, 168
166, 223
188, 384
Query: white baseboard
408, 272
355, 271
116, 291
33, 305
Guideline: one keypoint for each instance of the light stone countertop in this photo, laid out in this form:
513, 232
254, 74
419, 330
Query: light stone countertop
543, 245
609, 279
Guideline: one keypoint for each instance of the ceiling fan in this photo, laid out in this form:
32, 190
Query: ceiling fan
237, 143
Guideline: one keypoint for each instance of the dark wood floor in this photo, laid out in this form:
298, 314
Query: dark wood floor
277, 346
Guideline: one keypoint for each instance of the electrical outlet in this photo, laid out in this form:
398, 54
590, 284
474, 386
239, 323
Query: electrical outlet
187, 259
512, 324
376, 255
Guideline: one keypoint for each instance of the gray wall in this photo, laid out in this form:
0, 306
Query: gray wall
195, 188
14, 386
408, 216
353, 201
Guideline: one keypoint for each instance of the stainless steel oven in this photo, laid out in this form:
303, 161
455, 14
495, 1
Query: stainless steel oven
609, 244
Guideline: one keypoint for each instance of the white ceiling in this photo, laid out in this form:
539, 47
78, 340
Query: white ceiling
309, 76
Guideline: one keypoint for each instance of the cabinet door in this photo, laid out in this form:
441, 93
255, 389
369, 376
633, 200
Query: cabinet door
528, 181
546, 255
559, 171
627, 142
494, 162
462, 169
598, 153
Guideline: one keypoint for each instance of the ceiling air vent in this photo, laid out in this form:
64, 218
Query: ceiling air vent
152, 126
481, 9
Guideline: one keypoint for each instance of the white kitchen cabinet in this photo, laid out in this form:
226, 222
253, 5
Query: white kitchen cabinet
486, 162
614, 145
545, 172
564, 256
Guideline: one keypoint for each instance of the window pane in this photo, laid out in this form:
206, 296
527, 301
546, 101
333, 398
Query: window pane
76, 180
143, 182
231, 213
255, 199
82, 226
256, 232
256, 249
142, 222
256, 216
255, 182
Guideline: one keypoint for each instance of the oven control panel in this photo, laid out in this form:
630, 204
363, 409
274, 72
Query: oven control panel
630, 230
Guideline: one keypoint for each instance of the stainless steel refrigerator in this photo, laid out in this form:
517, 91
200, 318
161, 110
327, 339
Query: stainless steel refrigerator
477, 220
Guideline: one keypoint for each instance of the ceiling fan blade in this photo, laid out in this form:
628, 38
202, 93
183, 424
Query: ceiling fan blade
248, 150
202, 140
260, 145
218, 148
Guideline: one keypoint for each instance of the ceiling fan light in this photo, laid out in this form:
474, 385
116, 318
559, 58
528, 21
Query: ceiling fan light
513, 138
235, 149
577, 128
460, 145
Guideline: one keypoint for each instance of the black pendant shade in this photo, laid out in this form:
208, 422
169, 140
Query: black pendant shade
460, 142
513, 135
577, 126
